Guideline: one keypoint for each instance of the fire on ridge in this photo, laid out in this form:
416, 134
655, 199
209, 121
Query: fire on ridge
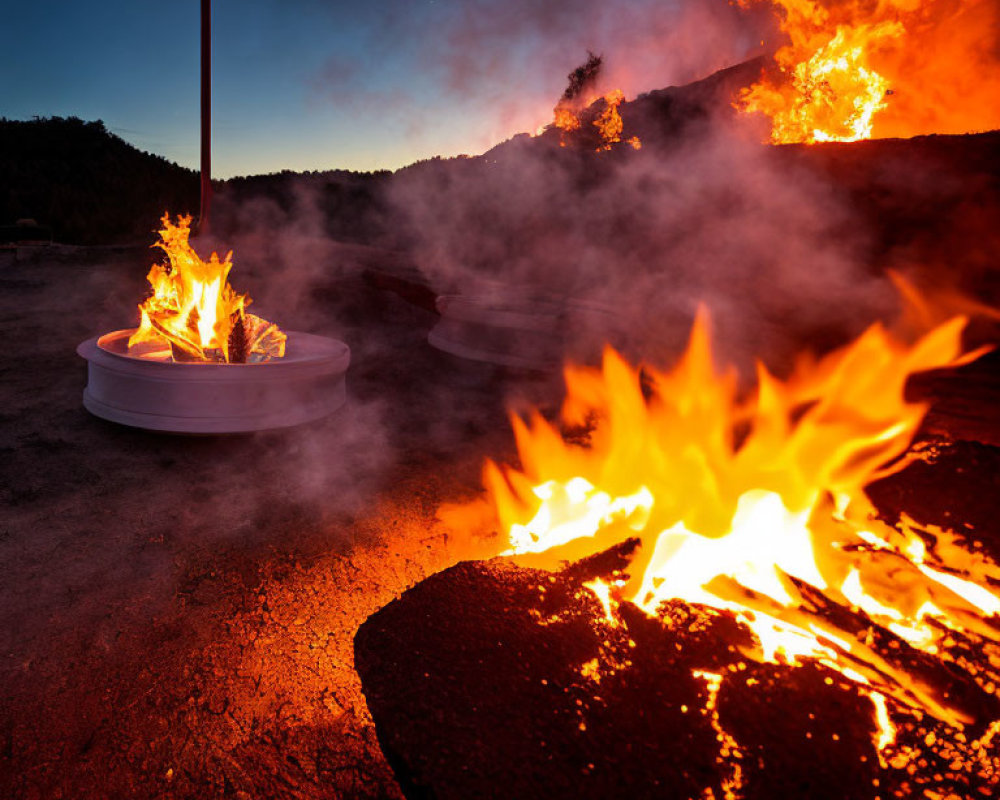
895, 68
581, 93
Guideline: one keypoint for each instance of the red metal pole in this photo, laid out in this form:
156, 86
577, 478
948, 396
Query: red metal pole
206, 114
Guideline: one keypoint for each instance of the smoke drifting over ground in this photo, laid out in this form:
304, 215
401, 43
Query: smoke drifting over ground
717, 219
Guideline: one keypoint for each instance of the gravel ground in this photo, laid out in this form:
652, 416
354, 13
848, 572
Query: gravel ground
177, 613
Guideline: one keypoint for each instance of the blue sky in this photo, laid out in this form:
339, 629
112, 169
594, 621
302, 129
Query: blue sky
322, 84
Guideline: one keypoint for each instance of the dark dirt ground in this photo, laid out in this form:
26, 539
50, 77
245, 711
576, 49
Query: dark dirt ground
177, 613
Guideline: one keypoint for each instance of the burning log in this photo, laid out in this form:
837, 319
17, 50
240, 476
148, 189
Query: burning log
490, 680
494, 680
751, 601
238, 342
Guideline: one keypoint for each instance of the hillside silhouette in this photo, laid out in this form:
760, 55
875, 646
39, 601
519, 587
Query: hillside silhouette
86, 184
90, 187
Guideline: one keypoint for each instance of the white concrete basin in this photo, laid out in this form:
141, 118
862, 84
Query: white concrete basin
306, 385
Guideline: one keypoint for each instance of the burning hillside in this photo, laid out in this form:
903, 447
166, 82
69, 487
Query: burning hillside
854, 70
582, 104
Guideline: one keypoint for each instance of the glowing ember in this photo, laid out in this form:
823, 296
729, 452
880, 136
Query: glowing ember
730, 748
754, 506
194, 314
852, 70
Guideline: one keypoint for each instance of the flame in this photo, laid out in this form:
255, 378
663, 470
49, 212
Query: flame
565, 119
754, 505
855, 69
609, 124
194, 312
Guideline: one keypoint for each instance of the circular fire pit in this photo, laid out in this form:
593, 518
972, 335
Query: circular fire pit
527, 332
160, 395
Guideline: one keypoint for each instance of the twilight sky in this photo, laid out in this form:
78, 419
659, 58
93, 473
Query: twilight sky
323, 84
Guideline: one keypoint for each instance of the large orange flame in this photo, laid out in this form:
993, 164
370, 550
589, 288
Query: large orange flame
854, 69
193, 312
754, 505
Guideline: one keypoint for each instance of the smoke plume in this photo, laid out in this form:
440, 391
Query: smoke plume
465, 76
773, 251
582, 78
